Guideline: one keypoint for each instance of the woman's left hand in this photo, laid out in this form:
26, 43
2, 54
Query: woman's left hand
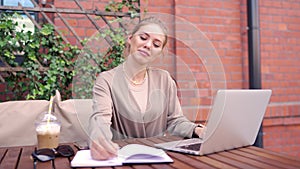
200, 131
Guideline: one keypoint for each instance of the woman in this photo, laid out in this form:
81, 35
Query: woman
134, 99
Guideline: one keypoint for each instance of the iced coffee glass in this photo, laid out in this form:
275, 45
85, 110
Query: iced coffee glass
47, 129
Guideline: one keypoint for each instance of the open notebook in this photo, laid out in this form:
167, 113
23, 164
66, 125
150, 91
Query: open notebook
129, 154
234, 122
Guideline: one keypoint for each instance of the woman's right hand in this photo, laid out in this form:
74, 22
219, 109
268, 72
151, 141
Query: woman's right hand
103, 149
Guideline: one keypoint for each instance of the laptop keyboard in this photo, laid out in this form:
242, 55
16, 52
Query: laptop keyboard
195, 147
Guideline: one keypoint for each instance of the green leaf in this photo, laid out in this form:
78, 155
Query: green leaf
47, 29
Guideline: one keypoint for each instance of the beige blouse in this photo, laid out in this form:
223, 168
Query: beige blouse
116, 115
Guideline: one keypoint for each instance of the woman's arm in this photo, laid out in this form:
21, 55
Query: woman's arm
177, 123
100, 121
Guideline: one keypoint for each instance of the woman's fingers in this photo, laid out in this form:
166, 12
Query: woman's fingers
200, 131
104, 149
98, 152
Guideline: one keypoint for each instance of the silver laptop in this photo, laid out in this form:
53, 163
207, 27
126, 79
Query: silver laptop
234, 121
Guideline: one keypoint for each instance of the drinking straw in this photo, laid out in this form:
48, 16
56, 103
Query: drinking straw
49, 110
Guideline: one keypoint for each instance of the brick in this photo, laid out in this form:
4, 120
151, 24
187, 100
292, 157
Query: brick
91, 32
65, 31
58, 22
72, 22
65, 4
73, 41
269, 3
80, 31
86, 5
86, 23
291, 19
224, 5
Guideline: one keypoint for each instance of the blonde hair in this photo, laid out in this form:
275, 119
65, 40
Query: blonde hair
152, 20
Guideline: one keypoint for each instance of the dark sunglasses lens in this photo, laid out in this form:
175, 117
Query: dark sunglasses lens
65, 150
43, 155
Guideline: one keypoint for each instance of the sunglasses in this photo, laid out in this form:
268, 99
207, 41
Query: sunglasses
47, 154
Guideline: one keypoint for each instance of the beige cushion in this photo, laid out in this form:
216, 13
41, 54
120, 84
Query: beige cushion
18, 117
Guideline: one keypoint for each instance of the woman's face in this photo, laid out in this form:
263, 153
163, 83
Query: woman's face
146, 44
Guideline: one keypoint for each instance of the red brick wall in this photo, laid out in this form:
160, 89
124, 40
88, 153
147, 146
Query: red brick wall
225, 25
280, 40
79, 23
